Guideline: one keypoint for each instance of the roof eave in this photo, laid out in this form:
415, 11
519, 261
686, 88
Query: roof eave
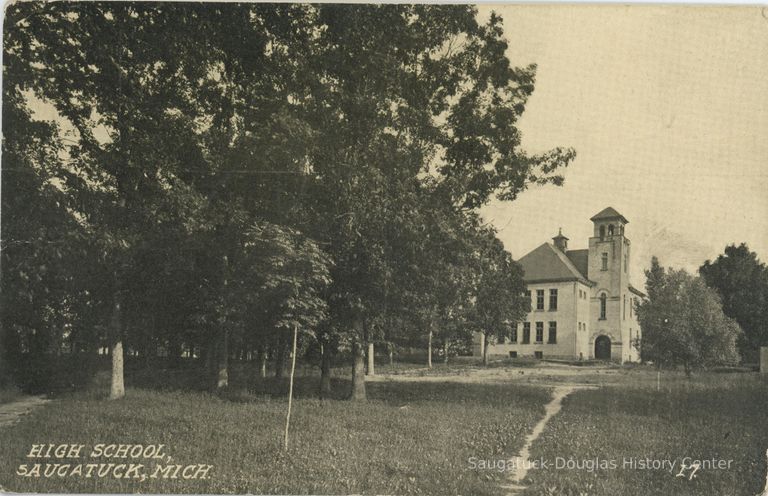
560, 279
612, 217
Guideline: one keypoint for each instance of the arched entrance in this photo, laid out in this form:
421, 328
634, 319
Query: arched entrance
603, 348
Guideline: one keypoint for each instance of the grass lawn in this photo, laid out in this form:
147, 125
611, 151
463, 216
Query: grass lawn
407, 439
721, 416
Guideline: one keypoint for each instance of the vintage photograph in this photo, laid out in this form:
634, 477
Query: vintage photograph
375, 248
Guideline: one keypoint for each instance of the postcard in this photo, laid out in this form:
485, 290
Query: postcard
371, 248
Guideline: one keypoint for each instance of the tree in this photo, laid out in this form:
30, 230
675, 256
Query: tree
40, 248
741, 280
683, 322
500, 300
415, 104
118, 82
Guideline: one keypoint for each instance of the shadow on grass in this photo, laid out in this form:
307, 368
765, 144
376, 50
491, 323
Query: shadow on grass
244, 387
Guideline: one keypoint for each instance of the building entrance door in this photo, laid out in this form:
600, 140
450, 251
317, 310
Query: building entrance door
603, 348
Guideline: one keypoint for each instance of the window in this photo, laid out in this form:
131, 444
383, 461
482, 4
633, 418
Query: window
538, 354
512, 354
602, 306
539, 332
605, 261
526, 332
553, 299
625, 307
602, 233
610, 230
552, 338
513, 335
539, 299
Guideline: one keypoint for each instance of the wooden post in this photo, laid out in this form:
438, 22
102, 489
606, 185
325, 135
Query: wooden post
290, 384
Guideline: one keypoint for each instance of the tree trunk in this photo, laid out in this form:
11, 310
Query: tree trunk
325, 372
290, 384
485, 349
391, 356
371, 355
262, 361
429, 348
222, 372
279, 359
445, 352
211, 356
117, 386
358, 371
174, 352
149, 353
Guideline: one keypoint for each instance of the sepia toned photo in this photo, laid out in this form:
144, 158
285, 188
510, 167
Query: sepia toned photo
368, 248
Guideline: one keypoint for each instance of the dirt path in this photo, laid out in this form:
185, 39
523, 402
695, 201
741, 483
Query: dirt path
514, 485
10, 413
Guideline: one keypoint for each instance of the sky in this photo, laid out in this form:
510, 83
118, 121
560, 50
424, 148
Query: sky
667, 109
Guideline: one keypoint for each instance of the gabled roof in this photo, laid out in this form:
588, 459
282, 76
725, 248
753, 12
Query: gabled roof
580, 260
548, 264
607, 214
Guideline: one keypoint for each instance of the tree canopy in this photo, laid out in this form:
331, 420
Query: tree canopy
219, 172
683, 322
741, 280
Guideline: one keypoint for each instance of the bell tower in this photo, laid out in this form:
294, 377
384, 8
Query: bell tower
609, 268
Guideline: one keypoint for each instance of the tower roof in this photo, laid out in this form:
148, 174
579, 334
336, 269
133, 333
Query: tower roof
609, 213
560, 235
